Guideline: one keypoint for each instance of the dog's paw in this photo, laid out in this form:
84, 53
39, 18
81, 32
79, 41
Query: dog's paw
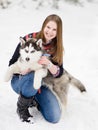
37, 85
7, 78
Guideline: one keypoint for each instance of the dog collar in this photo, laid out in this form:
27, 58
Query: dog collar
47, 55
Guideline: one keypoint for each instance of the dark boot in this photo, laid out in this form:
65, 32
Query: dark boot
22, 107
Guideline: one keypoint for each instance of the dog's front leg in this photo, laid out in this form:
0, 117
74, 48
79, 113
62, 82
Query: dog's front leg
11, 70
39, 74
35, 66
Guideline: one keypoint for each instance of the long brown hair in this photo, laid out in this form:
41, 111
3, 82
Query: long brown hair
58, 56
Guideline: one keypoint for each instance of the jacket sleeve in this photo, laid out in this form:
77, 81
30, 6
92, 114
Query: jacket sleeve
60, 71
15, 55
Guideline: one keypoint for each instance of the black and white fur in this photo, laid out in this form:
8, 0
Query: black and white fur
30, 53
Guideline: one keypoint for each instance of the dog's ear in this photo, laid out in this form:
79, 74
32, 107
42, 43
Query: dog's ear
39, 43
22, 41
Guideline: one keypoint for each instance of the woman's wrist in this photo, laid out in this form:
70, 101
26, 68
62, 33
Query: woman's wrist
49, 65
54, 69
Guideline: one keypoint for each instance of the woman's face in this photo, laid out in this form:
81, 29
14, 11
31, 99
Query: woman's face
50, 30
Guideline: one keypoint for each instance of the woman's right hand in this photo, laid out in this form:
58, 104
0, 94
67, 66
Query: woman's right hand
25, 72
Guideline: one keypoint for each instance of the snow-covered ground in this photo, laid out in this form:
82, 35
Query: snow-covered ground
80, 30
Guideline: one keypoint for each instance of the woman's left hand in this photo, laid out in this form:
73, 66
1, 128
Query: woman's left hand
50, 66
44, 60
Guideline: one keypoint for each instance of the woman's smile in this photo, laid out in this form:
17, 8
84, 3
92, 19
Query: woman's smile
50, 31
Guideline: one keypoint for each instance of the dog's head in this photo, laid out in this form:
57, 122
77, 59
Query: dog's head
30, 50
31, 42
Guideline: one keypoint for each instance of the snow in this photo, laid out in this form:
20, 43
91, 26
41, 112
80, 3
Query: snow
80, 30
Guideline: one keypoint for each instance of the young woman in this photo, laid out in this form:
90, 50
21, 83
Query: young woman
51, 34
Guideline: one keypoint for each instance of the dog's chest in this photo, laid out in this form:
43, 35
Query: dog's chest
24, 65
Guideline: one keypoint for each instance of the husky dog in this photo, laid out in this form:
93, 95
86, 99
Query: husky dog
59, 86
30, 53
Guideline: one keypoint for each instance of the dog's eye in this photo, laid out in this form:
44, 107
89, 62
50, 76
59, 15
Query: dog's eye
26, 51
33, 51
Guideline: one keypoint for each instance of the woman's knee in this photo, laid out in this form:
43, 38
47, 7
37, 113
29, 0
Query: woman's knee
23, 84
14, 83
53, 117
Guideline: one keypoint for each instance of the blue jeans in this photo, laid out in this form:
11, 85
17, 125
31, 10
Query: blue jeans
48, 103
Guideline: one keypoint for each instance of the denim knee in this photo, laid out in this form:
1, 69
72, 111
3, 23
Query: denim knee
14, 84
53, 117
24, 84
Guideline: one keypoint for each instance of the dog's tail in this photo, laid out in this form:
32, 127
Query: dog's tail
75, 82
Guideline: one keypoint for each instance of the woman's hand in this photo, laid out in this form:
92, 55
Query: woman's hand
50, 66
25, 72
44, 60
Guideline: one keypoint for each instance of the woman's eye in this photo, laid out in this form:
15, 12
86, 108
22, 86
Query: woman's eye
48, 27
54, 29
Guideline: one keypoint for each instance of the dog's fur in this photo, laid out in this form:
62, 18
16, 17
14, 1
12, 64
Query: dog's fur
60, 86
30, 53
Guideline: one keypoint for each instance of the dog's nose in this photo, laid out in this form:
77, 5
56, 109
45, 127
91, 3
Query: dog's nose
27, 58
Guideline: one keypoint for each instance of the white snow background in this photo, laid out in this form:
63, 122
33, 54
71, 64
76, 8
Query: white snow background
80, 36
